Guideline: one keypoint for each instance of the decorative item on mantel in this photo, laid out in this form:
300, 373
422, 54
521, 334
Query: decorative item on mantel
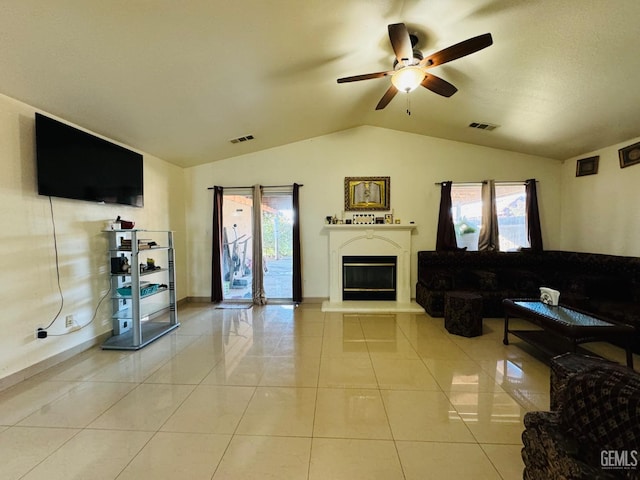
364, 218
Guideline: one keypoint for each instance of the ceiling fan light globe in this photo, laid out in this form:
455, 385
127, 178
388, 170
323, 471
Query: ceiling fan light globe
408, 78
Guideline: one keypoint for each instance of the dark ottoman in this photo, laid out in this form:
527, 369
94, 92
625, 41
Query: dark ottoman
463, 313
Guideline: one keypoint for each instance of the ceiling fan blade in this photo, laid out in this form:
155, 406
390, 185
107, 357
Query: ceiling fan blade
387, 97
366, 76
438, 85
458, 50
400, 41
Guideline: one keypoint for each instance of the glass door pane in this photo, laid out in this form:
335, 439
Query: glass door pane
237, 254
277, 244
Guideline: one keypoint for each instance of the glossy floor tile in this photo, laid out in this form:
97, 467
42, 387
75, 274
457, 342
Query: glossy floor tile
282, 392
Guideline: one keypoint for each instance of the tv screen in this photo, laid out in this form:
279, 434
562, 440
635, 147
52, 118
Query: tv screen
75, 164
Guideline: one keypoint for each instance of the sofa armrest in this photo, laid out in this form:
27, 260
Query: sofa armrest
550, 454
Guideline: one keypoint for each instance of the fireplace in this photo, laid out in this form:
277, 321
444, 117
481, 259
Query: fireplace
368, 277
372, 243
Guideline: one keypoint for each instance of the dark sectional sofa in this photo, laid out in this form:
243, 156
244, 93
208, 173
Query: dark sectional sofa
606, 285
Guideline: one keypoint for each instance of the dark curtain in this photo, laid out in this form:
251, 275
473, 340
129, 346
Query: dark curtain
297, 258
446, 236
217, 244
534, 232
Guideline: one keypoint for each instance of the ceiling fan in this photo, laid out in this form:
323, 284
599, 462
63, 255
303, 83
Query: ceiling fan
410, 67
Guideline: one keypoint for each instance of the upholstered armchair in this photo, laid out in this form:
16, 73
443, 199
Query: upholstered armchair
594, 432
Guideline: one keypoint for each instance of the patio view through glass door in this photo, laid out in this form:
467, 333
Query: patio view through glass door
277, 242
237, 207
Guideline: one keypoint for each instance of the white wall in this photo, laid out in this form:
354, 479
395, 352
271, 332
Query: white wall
413, 162
28, 286
600, 212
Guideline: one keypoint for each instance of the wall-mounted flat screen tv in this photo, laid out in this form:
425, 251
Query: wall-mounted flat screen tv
75, 164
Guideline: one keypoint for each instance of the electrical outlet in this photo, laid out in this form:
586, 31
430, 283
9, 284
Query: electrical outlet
68, 321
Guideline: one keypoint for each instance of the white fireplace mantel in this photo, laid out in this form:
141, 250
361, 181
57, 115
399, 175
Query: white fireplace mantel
370, 239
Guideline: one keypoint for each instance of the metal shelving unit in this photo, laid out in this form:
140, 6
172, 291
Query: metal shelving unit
136, 317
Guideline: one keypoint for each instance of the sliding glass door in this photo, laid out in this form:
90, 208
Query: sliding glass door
237, 258
277, 244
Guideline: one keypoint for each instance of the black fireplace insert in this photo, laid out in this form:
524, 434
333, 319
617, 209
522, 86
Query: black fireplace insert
369, 277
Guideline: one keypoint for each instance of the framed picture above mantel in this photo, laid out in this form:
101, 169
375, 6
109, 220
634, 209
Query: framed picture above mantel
367, 193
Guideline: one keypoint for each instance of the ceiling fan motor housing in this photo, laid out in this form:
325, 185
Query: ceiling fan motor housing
417, 57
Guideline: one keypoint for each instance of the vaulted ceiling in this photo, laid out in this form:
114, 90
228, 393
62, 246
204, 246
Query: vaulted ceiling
179, 80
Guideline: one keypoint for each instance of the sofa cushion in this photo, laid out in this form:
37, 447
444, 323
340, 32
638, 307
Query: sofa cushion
437, 279
520, 279
634, 290
483, 279
605, 286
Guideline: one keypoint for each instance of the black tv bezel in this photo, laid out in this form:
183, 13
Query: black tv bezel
107, 171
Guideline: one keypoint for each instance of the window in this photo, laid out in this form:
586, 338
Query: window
466, 202
512, 219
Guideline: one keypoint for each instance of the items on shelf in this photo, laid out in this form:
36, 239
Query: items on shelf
146, 289
125, 224
120, 265
143, 244
150, 266
139, 320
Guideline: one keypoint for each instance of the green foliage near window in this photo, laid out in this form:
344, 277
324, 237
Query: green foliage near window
464, 226
276, 227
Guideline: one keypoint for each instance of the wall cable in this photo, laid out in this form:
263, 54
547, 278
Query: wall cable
55, 247
95, 312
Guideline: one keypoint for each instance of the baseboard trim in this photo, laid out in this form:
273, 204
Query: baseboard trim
32, 370
198, 300
304, 300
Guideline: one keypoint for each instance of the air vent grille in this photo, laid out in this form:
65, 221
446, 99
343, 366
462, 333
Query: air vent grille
246, 138
483, 126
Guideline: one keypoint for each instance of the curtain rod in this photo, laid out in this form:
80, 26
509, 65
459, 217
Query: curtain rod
523, 182
265, 186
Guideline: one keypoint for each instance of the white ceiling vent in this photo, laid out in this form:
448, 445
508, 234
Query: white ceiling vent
246, 138
483, 126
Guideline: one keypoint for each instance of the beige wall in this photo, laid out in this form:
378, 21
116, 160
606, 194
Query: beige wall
28, 285
413, 162
600, 212
180, 200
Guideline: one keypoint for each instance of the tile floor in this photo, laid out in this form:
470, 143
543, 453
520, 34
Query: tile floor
281, 393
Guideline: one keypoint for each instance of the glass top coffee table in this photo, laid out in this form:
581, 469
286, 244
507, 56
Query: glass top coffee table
563, 328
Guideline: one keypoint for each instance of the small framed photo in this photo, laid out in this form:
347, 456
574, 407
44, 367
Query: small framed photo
587, 166
388, 218
629, 155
